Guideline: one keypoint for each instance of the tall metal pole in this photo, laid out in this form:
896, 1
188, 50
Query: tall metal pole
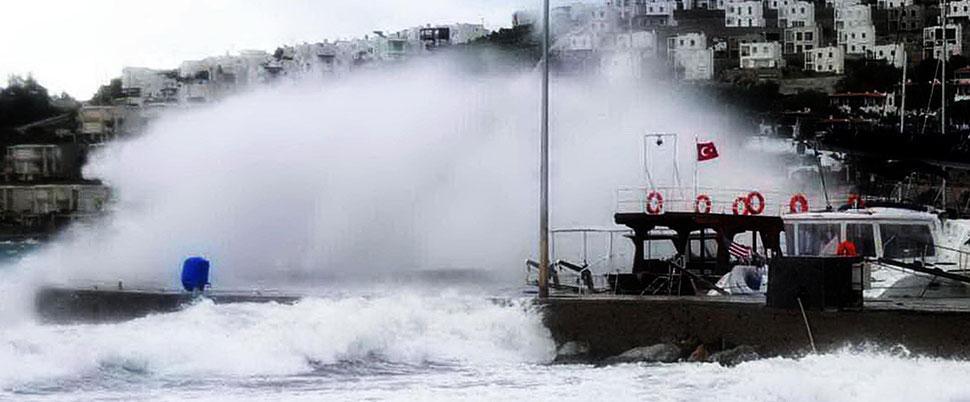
544, 169
902, 107
943, 7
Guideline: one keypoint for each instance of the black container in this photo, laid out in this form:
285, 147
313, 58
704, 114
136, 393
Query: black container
822, 283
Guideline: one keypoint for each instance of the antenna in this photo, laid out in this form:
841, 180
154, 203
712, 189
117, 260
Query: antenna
821, 177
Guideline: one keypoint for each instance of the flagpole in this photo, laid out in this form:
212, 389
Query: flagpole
697, 157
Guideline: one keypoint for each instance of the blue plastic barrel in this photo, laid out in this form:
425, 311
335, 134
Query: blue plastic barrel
195, 274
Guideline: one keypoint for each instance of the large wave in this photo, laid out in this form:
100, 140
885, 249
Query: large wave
247, 340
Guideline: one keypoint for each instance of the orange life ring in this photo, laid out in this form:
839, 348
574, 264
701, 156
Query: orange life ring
752, 210
739, 203
704, 200
655, 203
856, 201
798, 204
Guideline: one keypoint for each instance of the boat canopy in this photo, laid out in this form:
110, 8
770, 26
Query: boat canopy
726, 227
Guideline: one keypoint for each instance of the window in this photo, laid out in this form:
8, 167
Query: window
659, 249
808, 36
861, 235
788, 237
818, 238
709, 250
906, 241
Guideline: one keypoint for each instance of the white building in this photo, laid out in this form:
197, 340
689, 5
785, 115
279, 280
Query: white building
145, 85
580, 40
854, 29
893, 54
801, 39
887, 4
796, 14
777, 4
692, 59
858, 39
837, 4
854, 15
825, 60
648, 13
761, 55
744, 14
958, 9
464, 33
933, 42
631, 55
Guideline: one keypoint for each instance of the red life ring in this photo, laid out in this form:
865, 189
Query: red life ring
655, 203
705, 201
798, 204
752, 209
856, 201
739, 203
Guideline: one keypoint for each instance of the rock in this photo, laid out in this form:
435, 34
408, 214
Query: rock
660, 353
700, 354
572, 352
736, 356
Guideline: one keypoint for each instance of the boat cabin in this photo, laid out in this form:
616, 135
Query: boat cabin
684, 253
897, 234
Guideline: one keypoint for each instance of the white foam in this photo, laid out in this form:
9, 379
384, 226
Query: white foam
253, 340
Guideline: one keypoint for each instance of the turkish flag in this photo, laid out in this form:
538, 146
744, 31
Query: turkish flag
706, 151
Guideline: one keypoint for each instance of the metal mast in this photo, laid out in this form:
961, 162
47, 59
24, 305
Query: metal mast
544, 164
902, 107
943, 7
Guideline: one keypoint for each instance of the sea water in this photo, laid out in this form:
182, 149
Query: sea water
410, 346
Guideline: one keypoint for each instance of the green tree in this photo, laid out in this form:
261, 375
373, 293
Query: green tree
24, 101
108, 93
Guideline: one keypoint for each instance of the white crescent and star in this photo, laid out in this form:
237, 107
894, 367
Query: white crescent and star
707, 151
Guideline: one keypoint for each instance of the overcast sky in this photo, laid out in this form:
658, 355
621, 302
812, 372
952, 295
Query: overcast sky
77, 45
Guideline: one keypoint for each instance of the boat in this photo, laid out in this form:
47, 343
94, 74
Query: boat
905, 250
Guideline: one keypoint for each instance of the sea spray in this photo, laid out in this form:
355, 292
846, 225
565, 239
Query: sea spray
415, 168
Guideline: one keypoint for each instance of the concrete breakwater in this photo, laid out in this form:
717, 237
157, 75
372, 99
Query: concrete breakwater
609, 326
595, 329
65, 305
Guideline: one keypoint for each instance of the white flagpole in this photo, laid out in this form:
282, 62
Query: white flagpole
697, 157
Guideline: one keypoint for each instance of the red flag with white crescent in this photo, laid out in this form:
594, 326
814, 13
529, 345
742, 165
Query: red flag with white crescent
706, 151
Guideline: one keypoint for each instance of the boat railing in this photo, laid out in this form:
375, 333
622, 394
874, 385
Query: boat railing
581, 257
658, 200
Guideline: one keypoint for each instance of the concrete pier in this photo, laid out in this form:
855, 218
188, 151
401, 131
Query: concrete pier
609, 326
65, 305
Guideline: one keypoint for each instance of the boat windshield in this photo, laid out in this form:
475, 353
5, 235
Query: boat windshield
862, 237
818, 238
906, 241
